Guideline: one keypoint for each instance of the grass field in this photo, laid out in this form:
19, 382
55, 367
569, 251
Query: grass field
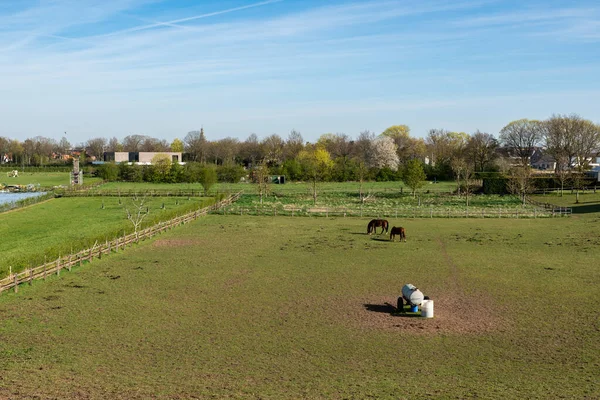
589, 202
271, 308
44, 179
56, 226
291, 187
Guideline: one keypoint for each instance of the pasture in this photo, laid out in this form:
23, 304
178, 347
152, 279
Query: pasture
58, 226
44, 179
290, 187
263, 307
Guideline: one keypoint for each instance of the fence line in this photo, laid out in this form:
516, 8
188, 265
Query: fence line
552, 208
100, 249
131, 193
414, 212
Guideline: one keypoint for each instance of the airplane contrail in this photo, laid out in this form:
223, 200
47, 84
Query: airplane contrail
177, 21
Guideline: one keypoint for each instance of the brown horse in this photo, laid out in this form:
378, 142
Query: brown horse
375, 223
398, 231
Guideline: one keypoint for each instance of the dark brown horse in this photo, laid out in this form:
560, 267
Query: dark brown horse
398, 231
376, 223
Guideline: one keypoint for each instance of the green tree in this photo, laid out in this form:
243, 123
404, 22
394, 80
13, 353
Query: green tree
108, 172
162, 168
414, 176
177, 145
230, 172
316, 165
207, 177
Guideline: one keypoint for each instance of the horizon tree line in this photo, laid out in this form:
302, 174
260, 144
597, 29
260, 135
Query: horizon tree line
571, 140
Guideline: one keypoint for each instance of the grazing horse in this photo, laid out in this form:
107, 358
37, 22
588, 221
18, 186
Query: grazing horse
398, 231
375, 223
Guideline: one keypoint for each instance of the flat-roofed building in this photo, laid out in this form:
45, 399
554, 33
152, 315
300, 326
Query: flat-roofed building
139, 157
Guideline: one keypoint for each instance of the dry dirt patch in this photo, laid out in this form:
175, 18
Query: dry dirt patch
473, 314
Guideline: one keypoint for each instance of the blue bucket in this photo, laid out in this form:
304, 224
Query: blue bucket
414, 308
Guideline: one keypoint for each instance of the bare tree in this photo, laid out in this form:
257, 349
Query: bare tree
481, 149
293, 145
272, 147
261, 177
363, 155
250, 150
96, 147
520, 182
63, 146
150, 144
133, 143
196, 145
225, 151
463, 169
136, 212
522, 137
114, 145
573, 142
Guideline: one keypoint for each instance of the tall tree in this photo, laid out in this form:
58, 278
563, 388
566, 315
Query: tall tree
397, 131
481, 149
207, 177
96, 147
363, 156
63, 146
261, 177
114, 145
316, 165
177, 145
224, 151
196, 145
4, 149
251, 150
384, 152
521, 137
414, 176
520, 182
273, 149
573, 142
293, 145
133, 143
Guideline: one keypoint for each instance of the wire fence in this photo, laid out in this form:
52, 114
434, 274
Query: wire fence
104, 249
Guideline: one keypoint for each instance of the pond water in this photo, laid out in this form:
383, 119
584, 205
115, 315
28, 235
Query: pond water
10, 197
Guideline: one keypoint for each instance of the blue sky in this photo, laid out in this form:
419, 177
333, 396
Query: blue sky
162, 68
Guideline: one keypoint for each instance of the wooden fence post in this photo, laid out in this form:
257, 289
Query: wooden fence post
70, 256
58, 266
30, 276
16, 283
